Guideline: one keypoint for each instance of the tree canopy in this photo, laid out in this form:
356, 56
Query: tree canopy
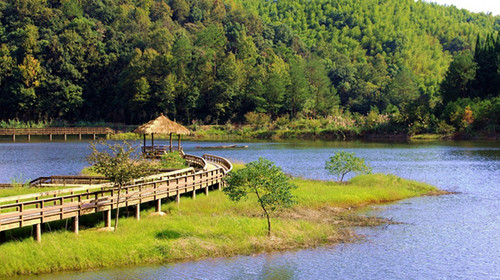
216, 60
270, 185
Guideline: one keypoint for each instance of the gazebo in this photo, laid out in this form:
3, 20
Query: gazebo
161, 125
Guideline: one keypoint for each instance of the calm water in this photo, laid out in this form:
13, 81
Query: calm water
446, 237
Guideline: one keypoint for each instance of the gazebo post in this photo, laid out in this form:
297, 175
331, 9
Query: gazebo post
170, 142
179, 144
144, 145
152, 141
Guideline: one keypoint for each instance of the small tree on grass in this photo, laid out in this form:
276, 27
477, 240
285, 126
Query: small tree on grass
268, 182
119, 164
343, 162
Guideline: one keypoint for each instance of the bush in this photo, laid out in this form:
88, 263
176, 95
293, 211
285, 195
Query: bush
444, 128
172, 160
257, 120
344, 162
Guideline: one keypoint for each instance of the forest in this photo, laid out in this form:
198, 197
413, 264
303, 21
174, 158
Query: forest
412, 66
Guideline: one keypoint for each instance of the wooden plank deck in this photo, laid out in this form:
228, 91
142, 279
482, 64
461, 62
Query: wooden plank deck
35, 209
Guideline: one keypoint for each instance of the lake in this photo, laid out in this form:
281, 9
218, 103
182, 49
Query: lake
446, 237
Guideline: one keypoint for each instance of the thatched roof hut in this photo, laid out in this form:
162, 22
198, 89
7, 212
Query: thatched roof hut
161, 125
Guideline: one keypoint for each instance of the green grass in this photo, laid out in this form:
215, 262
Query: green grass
360, 191
430, 137
14, 191
211, 226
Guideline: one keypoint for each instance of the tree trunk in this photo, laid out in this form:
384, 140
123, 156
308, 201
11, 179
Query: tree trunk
267, 214
268, 224
342, 178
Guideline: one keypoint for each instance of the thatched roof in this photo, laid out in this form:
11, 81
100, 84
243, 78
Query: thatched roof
162, 125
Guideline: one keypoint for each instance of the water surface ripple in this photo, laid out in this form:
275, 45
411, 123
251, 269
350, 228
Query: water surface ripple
445, 237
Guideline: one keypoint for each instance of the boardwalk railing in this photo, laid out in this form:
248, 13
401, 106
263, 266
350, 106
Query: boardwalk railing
50, 131
56, 131
220, 160
38, 208
68, 180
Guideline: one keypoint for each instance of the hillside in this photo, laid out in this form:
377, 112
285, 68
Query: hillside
213, 61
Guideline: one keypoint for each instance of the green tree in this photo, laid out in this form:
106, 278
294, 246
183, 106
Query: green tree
119, 165
458, 79
343, 162
268, 182
403, 90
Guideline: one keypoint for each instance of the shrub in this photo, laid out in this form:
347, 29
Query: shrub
172, 160
343, 162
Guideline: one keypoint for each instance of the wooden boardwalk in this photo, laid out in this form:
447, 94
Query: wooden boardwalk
50, 131
81, 199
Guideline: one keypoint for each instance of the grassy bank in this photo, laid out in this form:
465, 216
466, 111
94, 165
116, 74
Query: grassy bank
213, 226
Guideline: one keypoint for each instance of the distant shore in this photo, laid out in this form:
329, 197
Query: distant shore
232, 133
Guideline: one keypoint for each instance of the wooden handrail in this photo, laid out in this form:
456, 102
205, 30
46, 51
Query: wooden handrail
228, 166
196, 160
56, 130
61, 204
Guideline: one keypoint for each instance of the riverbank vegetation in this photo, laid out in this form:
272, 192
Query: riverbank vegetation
406, 67
211, 226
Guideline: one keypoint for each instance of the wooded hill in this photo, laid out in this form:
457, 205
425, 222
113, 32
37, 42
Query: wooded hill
214, 61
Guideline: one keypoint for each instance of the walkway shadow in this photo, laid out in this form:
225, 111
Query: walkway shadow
168, 234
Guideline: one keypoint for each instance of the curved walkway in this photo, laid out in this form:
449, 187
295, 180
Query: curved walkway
82, 199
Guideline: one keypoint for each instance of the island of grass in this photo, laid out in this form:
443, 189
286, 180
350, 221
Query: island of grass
214, 226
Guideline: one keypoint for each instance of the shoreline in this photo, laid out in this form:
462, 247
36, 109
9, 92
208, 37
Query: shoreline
208, 133
212, 226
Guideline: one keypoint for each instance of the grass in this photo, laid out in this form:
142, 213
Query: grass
212, 226
430, 137
20, 190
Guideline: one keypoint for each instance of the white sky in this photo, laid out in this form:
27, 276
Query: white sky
492, 6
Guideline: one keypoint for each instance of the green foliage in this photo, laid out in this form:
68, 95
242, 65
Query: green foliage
20, 124
459, 77
172, 160
119, 165
267, 182
117, 162
257, 120
467, 114
342, 163
216, 61
20, 182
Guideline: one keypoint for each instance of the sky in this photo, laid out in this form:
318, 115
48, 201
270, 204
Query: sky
492, 6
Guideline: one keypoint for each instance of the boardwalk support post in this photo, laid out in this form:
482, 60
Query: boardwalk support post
158, 206
194, 193
206, 191
38, 232
138, 211
76, 226
107, 218
13, 138
29, 137
50, 137
177, 198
